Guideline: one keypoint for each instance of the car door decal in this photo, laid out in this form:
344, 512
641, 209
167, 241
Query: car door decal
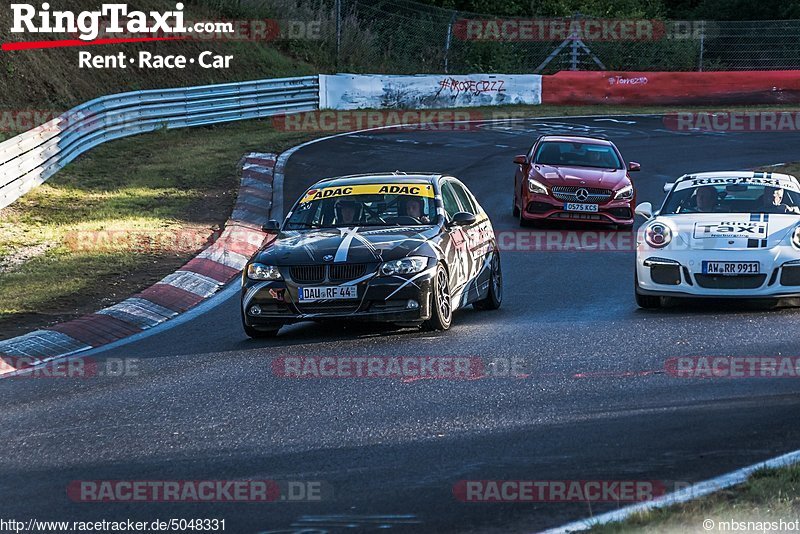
462, 257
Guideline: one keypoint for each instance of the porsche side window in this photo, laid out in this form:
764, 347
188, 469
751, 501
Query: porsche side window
464, 198
449, 200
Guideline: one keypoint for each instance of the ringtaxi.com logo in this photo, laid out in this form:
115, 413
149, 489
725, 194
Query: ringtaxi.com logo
116, 22
118, 19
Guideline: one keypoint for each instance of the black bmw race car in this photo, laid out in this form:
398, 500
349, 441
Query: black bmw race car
401, 248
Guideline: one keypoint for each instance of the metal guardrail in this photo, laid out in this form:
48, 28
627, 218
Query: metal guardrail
30, 158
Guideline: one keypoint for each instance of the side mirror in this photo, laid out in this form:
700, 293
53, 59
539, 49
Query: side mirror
272, 227
645, 209
462, 218
668, 187
521, 160
634, 166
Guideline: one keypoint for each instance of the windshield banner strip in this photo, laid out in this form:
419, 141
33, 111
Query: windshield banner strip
767, 181
417, 190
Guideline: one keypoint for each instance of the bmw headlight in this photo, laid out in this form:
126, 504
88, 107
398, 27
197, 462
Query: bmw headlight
410, 265
796, 237
626, 193
259, 271
536, 187
658, 235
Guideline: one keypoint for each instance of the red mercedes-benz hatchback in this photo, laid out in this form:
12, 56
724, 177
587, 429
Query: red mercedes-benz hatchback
574, 178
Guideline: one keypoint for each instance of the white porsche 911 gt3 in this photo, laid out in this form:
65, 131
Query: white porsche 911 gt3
721, 234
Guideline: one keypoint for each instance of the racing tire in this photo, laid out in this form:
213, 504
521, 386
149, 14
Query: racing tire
261, 333
647, 302
442, 309
494, 295
514, 208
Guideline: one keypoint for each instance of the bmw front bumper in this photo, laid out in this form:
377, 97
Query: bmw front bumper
391, 299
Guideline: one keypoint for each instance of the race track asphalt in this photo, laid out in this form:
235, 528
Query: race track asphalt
597, 405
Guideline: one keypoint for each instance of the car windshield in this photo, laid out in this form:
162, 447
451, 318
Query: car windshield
733, 198
577, 154
364, 205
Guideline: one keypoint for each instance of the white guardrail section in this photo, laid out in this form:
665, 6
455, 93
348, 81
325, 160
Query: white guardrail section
29, 159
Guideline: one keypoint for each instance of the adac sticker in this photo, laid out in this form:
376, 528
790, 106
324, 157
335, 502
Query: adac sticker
417, 190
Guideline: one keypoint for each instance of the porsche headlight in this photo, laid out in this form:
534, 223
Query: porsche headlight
410, 265
259, 271
796, 237
536, 187
658, 235
626, 193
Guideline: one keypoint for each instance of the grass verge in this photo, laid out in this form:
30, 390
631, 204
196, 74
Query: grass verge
759, 505
119, 219
158, 197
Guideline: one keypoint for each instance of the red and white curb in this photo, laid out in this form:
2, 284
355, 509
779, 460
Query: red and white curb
178, 292
695, 491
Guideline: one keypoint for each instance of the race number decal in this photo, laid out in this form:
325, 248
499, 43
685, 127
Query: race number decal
462, 259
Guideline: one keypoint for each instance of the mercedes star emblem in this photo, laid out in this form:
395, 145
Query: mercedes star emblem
582, 194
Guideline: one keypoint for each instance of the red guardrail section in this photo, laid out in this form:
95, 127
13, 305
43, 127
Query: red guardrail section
663, 88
